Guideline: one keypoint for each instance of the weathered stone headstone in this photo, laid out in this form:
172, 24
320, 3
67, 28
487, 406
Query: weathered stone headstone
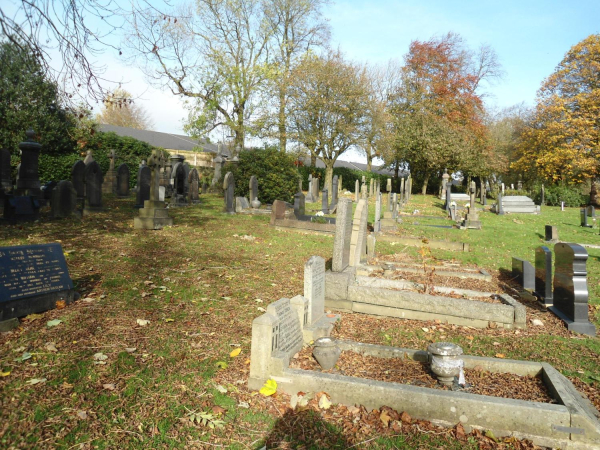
570, 288
371, 187
389, 185
5, 179
32, 279
325, 201
394, 206
377, 224
519, 185
512, 186
277, 211
500, 204
315, 188
194, 184
93, 188
364, 179
299, 204
78, 178
445, 178
64, 200
314, 288
309, 197
179, 181
253, 187
502, 188
340, 185
523, 273
584, 218
241, 204
448, 197
551, 233
229, 191
591, 211
123, 181
334, 192
356, 191
543, 274
358, 241
482, 192
154, 215
109, 186
343, 234
363, 191
88, 158
371, 241
403, 184
143, 190
472, 219
218, 164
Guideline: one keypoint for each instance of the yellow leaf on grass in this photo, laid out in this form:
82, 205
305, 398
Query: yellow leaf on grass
499, 355
235, 352
269, 388
4, 374
169, 320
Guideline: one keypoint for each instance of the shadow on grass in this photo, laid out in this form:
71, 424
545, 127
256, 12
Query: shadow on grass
305, 430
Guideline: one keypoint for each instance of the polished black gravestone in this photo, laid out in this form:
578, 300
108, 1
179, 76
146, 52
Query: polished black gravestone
584, 218
64, 200
143, 183
551, 233
570, 288
523, 271
123, 181
93, 188
32, 279
543, 274
78, 179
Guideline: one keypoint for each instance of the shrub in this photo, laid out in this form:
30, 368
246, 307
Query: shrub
571, 195
349, 176
276, 173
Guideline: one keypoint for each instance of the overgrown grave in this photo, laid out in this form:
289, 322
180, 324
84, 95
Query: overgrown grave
33, 278
353, 285
288, 217
560, 418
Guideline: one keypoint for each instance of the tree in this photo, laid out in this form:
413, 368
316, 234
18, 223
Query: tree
561, 143
120, 110
297, 27
326, 106
214, 54
28, 99
438, 109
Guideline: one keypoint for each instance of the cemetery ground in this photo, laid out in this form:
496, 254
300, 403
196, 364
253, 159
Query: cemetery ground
156, 352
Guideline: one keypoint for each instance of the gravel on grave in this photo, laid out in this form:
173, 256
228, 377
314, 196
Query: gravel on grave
406, 371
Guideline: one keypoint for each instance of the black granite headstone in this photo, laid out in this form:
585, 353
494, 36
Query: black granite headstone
551, 233
523, 271
93, 186
32, 279
78, 178
543, 274
123, 181
64, 200
584, 218
143, 190
570, 287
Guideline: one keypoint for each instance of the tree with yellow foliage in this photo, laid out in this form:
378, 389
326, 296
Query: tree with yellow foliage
561, 143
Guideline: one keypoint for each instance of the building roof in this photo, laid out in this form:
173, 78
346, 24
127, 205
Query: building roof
382, 170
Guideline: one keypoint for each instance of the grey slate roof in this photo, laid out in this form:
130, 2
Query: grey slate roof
355, 166
165, 140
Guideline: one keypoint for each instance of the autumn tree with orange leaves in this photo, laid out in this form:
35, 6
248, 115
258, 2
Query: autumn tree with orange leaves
438, 108
561, 144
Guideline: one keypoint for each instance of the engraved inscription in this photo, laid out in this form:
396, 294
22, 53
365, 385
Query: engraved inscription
26, 271
289, 336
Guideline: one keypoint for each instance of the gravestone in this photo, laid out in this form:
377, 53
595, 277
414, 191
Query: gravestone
543, 195
314, 288
277, 211
512, 186
402, 190
371, 188
21, 208
584, 218
356, 191
394, 206
448, 197
179, 182
78, 178
315, 189
519, 185
358, 240
93, 188
389, 185
502, 188
194, 184
143, 191
64, 200
33, 278
340, 185
591, 211
500, 204
390, 202
343, 234
445, 178
241, 203
334, 192
482, 192
89, 158
364, 179
229, 191
204, 187
123, 181
570, 288
154, 215
5, 179
551, 234
371, 241
218, 164
325, 201
453, 212
523, 273
472, 219
363, 191
377, 224
253, 188
109, 186
299, 205
28, 181
543, 274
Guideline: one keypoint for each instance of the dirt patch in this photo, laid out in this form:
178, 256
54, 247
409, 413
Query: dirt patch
406, 371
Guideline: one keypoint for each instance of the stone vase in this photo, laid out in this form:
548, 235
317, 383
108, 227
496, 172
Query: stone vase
255, 203
445, 361
326, 352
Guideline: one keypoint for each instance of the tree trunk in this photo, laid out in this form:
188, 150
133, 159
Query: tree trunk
328, 176
369, 162
282, 124
313, 160
595, 192
425, 181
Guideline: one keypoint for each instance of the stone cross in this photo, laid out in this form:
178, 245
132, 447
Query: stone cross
112, 157
445, 178
570, 288
472, 190
155, 162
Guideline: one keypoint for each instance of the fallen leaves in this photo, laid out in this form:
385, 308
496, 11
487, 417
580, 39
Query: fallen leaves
269, 388
142, 322
53, 323
100, 358
35, 381
235, 352
51, 347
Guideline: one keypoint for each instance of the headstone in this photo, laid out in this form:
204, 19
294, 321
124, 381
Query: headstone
93, 188
299, 204
143, 191
371, 187
482, 192
453, 212
364, 179
472, 219
28, 179
502, 188
309, 197
543, 274
229, 191
218, 164
448, 197
253, 187
403, 191
241, 203
570, 288
315, 188
358, 241
371, 241
394, 206
389, 185
88, 158
109, 186
584, 218
162, 191
543, 195
340, 185
551, 233
33, 278
512, 186
591, 211
334, 192
204, 187
314, 288
194, 184
377, 224
123, 181
277, 211
21, 208
64, 200
324, 201
343, 234
445, 178
5, 178
154, 215
500, 204
363, 191
356, 191
519, 185
524, 274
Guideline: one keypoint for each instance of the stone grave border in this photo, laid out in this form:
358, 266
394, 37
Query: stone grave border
475, 274
418, 242
287, 221
571, 423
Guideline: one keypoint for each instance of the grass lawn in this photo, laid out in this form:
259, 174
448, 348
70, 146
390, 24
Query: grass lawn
109, 381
